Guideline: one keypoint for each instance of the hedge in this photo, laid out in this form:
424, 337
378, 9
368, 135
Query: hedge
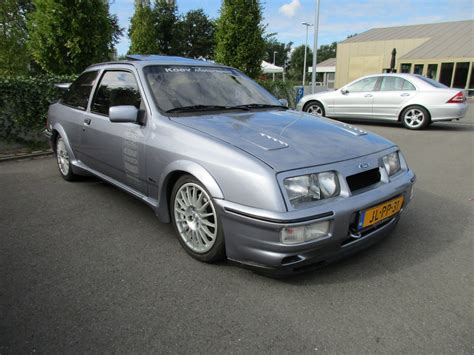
24, 104
281, 90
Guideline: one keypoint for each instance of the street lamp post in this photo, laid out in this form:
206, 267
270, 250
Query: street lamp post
315, 48
305, 49
274, 52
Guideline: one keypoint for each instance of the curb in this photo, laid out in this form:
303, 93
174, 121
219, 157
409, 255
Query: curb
25, 156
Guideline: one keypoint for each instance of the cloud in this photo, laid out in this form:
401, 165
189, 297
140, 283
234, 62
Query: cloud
290, 9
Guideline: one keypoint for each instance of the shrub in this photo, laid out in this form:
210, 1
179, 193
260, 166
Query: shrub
24, 104
281, 90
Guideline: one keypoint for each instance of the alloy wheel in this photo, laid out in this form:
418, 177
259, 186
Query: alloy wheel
315, 110
414, 118
195, 217
63, 157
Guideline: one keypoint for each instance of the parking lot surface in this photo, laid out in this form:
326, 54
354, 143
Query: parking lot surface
87, 268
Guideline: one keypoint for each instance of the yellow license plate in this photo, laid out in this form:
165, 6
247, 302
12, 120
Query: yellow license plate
380, 212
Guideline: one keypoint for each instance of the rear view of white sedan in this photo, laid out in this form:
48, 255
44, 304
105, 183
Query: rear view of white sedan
413, 100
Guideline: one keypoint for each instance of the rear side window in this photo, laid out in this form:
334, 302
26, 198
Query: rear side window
79, 92
116, 88
394, 83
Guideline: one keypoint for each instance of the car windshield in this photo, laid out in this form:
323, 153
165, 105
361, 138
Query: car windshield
176, 88
432, 82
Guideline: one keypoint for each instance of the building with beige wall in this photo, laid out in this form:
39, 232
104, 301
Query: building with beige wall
441, 51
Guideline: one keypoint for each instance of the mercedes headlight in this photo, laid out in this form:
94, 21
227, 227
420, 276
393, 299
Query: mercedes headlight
391, 163
312, 187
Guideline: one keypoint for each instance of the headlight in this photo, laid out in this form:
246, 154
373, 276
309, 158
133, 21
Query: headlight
391, 163
312, 187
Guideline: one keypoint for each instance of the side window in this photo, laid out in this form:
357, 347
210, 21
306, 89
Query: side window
79, 92
367, 84
394, 83
115, 89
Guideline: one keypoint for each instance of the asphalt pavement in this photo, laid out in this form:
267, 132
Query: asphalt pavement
84, 267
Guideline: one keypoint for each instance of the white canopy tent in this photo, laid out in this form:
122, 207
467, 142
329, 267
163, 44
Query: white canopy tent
269, 68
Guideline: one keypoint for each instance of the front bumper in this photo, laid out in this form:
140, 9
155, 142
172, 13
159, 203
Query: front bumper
252, 237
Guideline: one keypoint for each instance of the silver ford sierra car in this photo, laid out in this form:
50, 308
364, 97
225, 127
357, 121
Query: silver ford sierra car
238, 174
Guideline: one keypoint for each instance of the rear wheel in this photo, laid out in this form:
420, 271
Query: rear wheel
315, 108
64, 162
415, 117
196, 221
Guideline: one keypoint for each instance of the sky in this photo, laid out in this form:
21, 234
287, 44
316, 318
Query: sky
338, 18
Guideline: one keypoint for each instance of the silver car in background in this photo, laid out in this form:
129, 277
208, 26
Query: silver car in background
413, 100
237, 174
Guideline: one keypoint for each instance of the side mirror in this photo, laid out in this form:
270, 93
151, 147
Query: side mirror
125, 113
344, 91
284, 102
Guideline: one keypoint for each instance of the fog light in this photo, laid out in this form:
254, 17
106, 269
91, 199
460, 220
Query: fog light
300, 234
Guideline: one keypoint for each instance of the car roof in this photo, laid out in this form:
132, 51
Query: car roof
140, 60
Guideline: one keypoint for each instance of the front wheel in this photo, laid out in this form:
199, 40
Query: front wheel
415, 117
196, 221
315, 108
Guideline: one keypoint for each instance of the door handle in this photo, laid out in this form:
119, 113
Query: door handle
368, 95
405, 94
87, 121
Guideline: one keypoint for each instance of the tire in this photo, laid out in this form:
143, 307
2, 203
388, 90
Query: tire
196, 221
315, 108
63, 160
415, 117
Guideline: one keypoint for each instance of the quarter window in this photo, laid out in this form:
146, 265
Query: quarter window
367, 84
79, 92
394, 83
115, 89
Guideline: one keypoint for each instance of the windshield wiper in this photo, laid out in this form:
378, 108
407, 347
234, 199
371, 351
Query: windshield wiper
197, 108
259, 106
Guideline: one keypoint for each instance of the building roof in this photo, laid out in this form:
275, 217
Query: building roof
330, 62
446, 39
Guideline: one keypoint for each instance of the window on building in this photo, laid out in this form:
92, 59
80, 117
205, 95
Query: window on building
405, 68
418, 69
116, 88
471, 81
78, 94
432, 71
446, 73
460, 75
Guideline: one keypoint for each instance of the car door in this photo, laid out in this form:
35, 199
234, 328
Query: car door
356, 99
116, 149
75, 102
394, 92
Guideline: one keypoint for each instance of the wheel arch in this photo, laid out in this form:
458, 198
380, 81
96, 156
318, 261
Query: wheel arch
171, 175
311, 101
58, 130
412, 105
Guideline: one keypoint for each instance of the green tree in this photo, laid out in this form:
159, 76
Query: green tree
67, 35
197, 33
14, 56
327, 51
297, 63
239, 36
165, 20
142, 30
282, 50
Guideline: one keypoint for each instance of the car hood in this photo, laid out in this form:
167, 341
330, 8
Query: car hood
287, 140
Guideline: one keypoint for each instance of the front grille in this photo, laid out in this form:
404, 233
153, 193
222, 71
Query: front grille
364, 179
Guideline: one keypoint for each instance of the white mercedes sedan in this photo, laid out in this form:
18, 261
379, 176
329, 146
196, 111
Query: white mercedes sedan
413, 100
